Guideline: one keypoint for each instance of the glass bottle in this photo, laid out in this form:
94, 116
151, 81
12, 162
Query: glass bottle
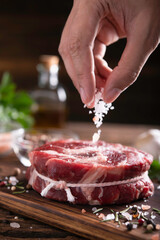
50, 98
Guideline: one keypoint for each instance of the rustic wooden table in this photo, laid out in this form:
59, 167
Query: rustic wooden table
31, 229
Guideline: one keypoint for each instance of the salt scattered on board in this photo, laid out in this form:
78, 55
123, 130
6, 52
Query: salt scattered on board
109, 217
15, 225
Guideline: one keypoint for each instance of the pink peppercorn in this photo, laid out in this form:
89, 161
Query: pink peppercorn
2, 184
140, 221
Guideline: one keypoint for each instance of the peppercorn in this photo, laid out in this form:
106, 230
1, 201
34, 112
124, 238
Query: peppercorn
16, 171
129, 226
140, 221
2, 183
13, 188
149, 228
150, 221
134, 209
28, 186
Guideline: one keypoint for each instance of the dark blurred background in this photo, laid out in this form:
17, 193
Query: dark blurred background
29, 29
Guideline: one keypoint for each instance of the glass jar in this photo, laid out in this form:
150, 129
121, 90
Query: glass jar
49, 109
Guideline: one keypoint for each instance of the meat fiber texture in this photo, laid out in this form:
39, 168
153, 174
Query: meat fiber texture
84, 172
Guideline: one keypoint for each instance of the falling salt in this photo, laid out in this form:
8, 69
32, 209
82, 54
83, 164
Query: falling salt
15, 225
96, 136
100, 110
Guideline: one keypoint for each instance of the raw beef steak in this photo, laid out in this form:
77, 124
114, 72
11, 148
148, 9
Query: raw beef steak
90, 173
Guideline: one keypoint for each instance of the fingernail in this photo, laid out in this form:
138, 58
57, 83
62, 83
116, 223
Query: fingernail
91, 103
83, 95
112, 94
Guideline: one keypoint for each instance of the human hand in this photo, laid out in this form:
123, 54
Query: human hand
93, 25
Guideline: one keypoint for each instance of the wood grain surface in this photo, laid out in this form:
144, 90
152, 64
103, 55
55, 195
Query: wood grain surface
67, 216
41, 218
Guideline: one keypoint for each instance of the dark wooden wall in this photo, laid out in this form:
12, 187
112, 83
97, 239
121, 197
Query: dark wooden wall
29, 29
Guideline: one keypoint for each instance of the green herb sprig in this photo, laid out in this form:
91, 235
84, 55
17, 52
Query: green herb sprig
14, 105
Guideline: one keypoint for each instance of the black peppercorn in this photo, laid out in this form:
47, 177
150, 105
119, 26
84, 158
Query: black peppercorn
129, 226
134, 209
150, 221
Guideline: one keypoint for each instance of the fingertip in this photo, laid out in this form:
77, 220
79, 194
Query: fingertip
87, 100
110, 95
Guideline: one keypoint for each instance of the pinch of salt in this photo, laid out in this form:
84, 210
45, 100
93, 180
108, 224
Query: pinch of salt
15, 225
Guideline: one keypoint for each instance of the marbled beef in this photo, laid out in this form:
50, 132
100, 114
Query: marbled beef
90, 173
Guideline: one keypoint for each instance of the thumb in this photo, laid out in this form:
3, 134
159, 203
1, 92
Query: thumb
136, 53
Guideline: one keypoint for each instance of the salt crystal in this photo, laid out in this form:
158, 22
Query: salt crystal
127, 216
94, 209
24, 171
31, 227
109, 217
13, 180
96, 136
158, 187
16, 217
134, 226
145, 213
15, 225
153, 216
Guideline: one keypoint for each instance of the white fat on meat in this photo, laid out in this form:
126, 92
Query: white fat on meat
49, 183
75, 154
87, 184
91, 177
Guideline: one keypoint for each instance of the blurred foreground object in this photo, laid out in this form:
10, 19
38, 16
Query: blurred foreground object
50, 97
150, 142
14, 105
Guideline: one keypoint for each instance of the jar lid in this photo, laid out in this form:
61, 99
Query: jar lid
49, 60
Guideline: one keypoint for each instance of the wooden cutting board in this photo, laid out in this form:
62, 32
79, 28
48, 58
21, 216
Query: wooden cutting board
69, 217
